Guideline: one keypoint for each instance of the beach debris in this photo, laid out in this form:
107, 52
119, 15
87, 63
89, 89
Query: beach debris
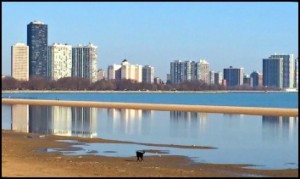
80, 156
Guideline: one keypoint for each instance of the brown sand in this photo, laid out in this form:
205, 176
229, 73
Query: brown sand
162, 107
20, 157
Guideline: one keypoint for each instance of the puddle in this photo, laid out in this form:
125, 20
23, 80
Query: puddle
128, 150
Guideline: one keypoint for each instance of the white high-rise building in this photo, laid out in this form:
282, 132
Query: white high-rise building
60, 57
203, 66
20, 61
125, 71
84, 62
114, 72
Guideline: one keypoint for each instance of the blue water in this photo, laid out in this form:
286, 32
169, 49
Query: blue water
252, 99
267, 141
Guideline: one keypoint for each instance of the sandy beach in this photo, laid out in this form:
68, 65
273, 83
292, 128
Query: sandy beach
161, 107
21, 156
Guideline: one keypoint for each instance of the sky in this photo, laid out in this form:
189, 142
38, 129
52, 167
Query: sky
157, 33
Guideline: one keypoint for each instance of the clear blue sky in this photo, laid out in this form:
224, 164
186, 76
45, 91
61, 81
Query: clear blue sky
237, 34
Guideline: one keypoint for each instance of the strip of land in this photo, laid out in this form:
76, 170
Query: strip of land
161, 107
21, 156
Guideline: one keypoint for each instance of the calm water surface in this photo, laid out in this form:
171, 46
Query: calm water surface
254, 99
268, 142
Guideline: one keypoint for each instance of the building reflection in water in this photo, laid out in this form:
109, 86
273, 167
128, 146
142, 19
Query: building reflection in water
20, 118
187, 123
129, 121
57, 120
275, 127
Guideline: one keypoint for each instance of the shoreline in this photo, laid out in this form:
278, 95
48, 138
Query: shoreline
161, 107
158, 91
20, 150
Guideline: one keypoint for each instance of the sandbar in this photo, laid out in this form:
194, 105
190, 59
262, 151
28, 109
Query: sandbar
161, 107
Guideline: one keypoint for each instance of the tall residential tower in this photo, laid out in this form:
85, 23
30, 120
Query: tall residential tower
20, 61
84, 62
37, 40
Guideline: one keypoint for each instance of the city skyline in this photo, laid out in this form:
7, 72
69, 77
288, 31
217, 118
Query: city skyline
148, 39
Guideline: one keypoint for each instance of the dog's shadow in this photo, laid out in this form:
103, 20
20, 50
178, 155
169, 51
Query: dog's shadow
130, 160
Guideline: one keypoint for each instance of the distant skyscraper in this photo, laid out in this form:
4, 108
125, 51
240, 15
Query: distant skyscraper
273, 72
288, 70
20, 61
101, 74
218, 78
37, 40
157, 80
246, 80
60, 57
175, 72
84, 62
256, 79
233, 76
189, 70
148, 74
132, 72
211, 77
114, 72
168, 78
203, 66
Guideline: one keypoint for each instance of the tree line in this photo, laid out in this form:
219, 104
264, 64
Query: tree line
77, 83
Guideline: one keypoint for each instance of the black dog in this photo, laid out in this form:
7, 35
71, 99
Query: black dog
140, 154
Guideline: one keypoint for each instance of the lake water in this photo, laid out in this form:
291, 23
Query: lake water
268, 142
253, 99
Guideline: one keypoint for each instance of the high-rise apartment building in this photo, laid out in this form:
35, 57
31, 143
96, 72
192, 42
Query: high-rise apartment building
84, 62
101, 74
273, 72
20, 61
288, 69
157, 80
132, 72
60, 57
211, 77
233, 76
246, 80
189, 70
148, 74
203, 67
218, 78
114, 72
37, 40
256, 79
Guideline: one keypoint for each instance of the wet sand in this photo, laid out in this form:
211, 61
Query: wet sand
162, 107
21, 157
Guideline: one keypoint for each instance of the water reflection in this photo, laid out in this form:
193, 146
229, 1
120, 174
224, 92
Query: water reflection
185, 124
129, 121
57, 120
277, 127
239, 138
20, 118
